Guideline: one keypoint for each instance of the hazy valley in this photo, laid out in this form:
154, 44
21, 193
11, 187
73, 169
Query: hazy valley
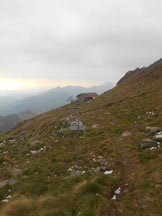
44, 101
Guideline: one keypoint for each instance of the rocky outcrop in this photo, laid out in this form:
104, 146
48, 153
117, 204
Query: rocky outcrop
128, 74
152, 130
158, 137
148, 143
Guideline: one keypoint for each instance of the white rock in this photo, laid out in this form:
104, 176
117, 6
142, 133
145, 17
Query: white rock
152, 148
158, 137
114, 197
5, 200
108, 172
8, 197
33, 152
12, 140
117, 191
126, 134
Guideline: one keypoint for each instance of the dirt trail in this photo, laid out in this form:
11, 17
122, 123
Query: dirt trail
130, 171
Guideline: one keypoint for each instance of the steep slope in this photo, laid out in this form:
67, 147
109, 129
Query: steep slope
39, 161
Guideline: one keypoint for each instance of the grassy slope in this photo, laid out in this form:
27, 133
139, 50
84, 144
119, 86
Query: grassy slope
46, 187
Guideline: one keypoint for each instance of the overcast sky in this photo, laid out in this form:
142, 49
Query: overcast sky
60, 42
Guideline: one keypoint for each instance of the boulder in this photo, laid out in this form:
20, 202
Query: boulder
152, 130
158, 137
148, 143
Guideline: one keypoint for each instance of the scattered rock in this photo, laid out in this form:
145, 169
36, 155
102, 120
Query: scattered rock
150, 113
33, 152
126, 134
148, 143
2, 144
114, 197
95, 126
108, 172
12, 140
158, 137
153, 148
117, 191
76, 171
152, 130
4, 201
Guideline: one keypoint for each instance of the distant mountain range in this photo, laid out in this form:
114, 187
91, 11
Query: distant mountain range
48, 100
10, 121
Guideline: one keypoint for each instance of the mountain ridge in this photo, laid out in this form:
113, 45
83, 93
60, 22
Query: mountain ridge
10, 121
52, 98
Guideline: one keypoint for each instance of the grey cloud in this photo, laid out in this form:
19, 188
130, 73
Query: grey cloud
87, 40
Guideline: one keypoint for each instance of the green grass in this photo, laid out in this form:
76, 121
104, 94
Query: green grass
147, 156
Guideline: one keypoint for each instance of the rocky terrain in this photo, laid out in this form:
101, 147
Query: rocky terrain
112, 167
